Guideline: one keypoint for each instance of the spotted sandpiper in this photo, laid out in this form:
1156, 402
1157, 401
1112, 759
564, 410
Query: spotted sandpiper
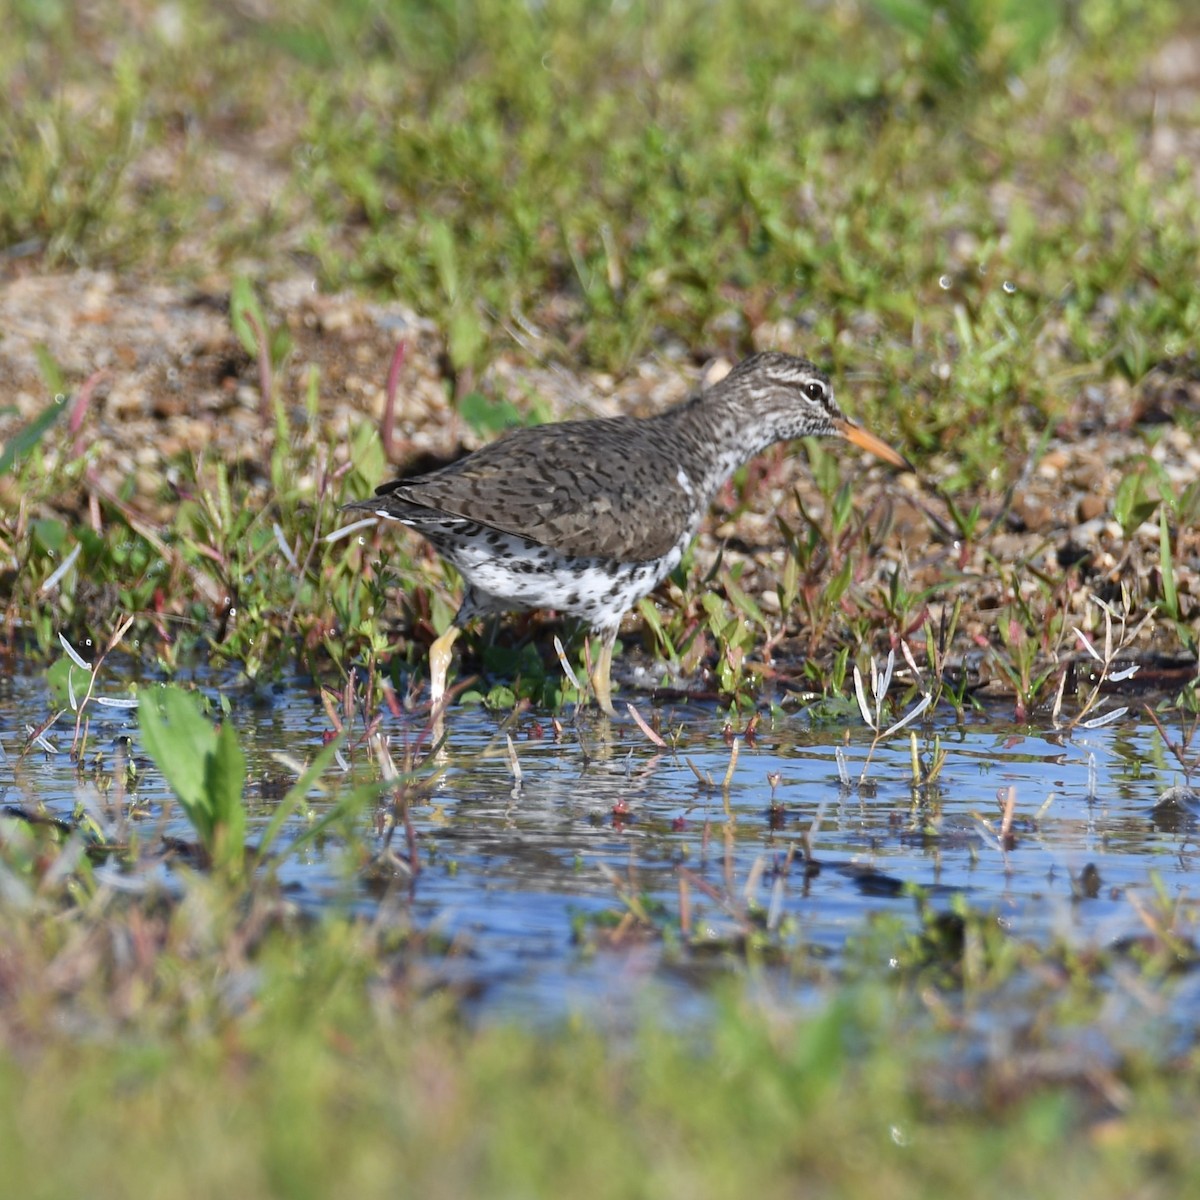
587, 517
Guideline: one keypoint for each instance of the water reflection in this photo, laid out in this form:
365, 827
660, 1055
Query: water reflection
510, 872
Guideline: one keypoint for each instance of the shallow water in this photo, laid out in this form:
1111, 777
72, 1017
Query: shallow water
510, 872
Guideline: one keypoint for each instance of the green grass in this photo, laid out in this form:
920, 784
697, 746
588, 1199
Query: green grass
959, 201
952, 205
187, 1050
956, 209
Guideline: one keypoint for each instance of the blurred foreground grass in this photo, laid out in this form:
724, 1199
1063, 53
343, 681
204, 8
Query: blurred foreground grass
180, 1051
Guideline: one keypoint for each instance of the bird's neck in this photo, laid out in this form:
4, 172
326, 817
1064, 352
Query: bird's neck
717, 439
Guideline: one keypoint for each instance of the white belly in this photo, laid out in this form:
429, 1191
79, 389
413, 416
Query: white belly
512, 573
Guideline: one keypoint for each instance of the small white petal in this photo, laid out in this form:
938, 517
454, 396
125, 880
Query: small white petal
566, 666
346, 530
886, 682
59, 571
74, 654
284, 548
1107, 719
910, 716
861, 693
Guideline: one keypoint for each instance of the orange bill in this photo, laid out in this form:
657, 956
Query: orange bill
868, 441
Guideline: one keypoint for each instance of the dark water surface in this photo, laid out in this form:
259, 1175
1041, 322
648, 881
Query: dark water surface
518, 877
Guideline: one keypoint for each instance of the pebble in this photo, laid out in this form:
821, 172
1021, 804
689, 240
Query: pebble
1033, 514
1052, 464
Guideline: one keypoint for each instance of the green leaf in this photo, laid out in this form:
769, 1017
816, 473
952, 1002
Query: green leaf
51, 371
204, 767
61, 677
281, 346
838, 584
180, 739
1132, 503
366, 453
843, 506
913, 16
445, 259
500, 698
1170, 597
486, 416
745, 603
50, 533
244, 304
26, 438
224, 780
650, 615
465, 337
824, 468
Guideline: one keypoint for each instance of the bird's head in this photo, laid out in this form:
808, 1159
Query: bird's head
793, 398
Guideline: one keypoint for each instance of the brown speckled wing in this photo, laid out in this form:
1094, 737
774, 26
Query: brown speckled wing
588, 488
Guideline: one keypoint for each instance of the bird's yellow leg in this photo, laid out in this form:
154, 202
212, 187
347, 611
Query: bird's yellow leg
601, 675
439, 665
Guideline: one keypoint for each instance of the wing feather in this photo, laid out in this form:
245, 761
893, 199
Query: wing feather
587, 488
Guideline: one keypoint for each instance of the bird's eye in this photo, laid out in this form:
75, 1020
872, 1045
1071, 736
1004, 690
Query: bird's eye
815, 391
